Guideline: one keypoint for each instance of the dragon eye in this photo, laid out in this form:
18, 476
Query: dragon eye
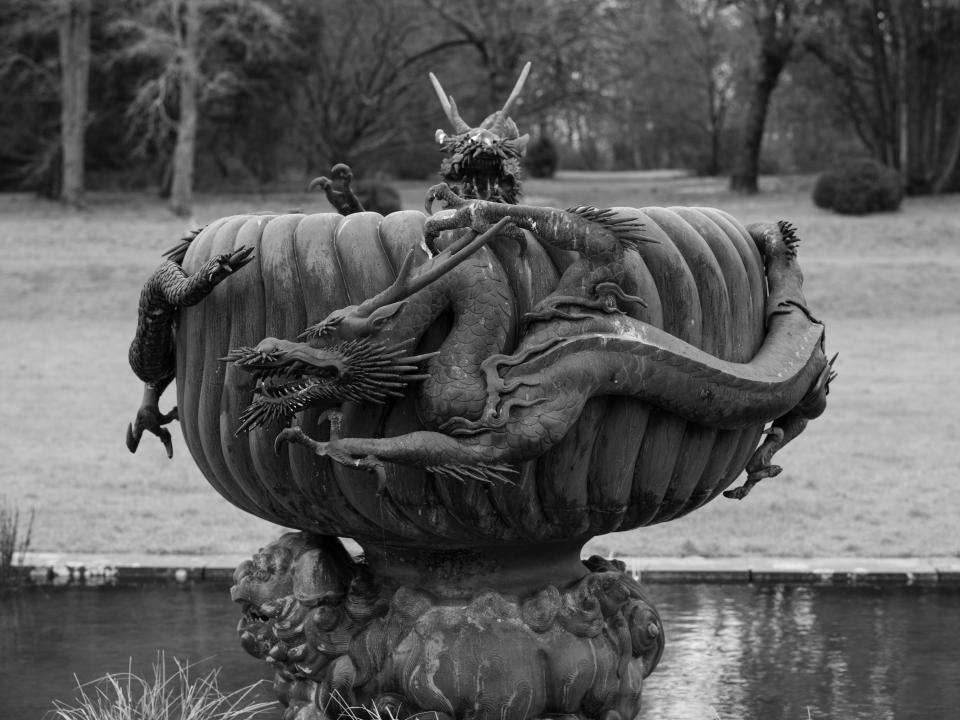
441, 137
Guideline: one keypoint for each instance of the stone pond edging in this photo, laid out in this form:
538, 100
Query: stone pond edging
128, 567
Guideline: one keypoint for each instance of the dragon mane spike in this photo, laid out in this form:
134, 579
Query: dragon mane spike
449, 107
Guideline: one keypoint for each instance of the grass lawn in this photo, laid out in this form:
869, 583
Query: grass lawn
876, 475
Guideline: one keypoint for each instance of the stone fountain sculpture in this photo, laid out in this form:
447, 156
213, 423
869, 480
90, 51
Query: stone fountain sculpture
472, 394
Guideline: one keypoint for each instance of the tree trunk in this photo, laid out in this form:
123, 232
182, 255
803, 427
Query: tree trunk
747, 162
181, 190
948, 162
776, 32
74, 36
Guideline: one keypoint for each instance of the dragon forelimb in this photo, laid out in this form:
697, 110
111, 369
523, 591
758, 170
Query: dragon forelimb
783, 430
585, 230
152, 356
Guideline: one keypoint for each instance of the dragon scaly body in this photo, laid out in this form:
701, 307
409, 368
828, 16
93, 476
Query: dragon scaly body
524, 414
152, 353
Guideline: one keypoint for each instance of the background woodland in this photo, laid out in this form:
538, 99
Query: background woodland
262, 95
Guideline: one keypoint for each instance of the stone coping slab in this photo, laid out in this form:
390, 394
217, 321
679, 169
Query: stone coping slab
94, 567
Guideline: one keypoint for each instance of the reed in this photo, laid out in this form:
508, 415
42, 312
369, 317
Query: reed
172, 693
14, 540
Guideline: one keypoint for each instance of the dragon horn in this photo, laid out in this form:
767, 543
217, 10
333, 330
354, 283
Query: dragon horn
405, 285
395, 292
449, 107
516, 89
498, 126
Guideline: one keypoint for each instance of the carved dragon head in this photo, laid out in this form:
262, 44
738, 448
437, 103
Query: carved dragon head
483, 162
342, 358
293, 376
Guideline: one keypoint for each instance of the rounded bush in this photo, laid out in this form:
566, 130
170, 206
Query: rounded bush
824, 189
859, 187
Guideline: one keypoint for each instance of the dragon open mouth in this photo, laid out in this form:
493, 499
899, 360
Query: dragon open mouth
483, 162
293, 376
482, 168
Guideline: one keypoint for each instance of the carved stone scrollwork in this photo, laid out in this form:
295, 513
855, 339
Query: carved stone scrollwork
339, 637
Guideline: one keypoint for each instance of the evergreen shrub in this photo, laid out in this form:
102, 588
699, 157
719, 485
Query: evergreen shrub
858, 187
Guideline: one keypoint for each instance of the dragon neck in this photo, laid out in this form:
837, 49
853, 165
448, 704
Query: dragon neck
479, 296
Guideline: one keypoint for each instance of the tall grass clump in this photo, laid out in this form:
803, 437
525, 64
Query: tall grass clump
171, 694
14, 541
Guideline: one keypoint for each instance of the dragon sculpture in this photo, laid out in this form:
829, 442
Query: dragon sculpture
459, 608
489, 402
152, 355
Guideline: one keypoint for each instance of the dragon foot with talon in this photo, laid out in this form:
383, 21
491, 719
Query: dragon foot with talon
607, 295
783, 430
446, 195
150, 419
332, 448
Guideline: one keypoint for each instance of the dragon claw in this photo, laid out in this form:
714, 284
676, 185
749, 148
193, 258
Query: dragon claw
228, 263
133, 438
332, 449
738, 493
240, 257
150, 419
445, 193
335, 418
607, 295
753, 477
293, 435
167, 441
775, 432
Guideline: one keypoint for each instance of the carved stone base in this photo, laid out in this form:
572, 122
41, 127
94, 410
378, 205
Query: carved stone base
447, 634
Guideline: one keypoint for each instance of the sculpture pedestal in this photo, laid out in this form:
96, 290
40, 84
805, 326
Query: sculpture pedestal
511, 633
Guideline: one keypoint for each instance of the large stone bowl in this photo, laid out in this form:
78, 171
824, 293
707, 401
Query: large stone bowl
623, 465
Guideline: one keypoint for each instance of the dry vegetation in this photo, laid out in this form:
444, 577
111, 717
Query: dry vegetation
874, 476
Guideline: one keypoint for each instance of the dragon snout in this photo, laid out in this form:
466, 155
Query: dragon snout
272, 358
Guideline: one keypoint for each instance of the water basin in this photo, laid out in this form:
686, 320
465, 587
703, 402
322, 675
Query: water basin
734, 652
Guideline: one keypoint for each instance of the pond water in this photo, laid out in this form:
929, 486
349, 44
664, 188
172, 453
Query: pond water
734, 652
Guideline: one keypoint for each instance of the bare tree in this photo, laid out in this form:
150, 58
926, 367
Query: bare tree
181, 39
74, 35
572, 44
187, 33
681, 70
30, 101
776, 24
897, 63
